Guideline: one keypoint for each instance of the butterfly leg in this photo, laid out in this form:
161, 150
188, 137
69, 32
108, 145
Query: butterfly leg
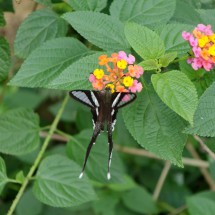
92, 142
110, 143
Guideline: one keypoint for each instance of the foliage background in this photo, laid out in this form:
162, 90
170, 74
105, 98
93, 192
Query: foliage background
48, 48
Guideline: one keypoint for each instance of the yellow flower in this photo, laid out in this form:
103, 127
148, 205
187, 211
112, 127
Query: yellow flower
212, 38
128, 81
211, 50
99, 73
111, 86
121, 64
203, 41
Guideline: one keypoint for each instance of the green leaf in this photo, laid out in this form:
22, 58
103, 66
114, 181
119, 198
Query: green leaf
171, 35
19, 129
204, 117
106, 203
144, 41
185, 13
29, 204
100, 29
20, 177
177, 91
48, 61
92, 5
155, 126
97, 163
133, 199
202, 203
2, 21
142, 11
57, 183
76, 76
4, 59
128, 184
38, 27
150, 64
3, 174
44, 2
32, 99
208, 17
166, 59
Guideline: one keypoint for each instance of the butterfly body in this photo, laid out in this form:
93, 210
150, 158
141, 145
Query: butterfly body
104, 107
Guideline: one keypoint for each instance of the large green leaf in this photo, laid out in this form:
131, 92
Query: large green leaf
144, 41
100, 29
133, 199
185, 13
92, 5
19, 129
4, 59
202, 203
38, 27
208, 17
97, 164
48, 61
2, 21
204, 117
155, 126
29, 204
76, 76
142, 11
3, 174
57, 183
177, 91
171, 35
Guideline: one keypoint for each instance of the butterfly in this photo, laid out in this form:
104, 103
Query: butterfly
104, 106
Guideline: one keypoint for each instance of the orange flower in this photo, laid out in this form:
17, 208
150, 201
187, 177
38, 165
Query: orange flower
103, 59
115, 76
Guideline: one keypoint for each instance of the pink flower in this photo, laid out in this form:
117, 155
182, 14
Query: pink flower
130, 59
197, 63
186, 35
193, 41
92, 78
189, 60
122, 55
206, 29
207, 66
196, 51
136, 87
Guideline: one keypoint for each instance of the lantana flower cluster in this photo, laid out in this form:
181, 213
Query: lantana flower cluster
120, 74
202, 42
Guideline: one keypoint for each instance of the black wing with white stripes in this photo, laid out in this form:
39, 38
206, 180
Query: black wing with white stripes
96, 100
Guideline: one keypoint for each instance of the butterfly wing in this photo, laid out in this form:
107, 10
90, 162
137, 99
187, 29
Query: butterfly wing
119, 100
89, 98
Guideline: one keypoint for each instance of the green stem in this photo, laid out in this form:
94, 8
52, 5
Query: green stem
64, 134
14, 181
39, 157
45, 128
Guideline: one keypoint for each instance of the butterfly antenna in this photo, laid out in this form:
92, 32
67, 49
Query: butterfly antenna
92, 142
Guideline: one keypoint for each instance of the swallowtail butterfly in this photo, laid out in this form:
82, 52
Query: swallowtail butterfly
104, 106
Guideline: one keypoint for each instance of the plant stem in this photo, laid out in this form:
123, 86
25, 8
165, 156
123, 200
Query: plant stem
39, 157
45, 128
